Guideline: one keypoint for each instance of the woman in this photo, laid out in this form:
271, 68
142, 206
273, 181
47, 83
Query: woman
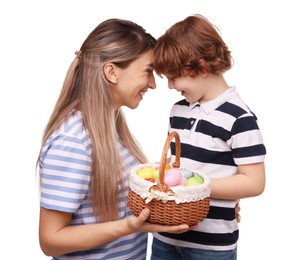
87, 150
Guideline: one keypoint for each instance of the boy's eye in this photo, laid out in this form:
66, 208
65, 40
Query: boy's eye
170, 78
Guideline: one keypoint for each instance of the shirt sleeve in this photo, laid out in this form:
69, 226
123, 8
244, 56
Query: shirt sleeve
65, 170
246, 141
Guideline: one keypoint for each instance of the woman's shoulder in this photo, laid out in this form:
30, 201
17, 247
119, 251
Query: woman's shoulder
72, 126
71, 134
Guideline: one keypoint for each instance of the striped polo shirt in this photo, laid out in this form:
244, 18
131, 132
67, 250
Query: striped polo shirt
65, 169
215, 136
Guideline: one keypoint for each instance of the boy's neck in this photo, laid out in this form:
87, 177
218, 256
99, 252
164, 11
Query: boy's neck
216, 85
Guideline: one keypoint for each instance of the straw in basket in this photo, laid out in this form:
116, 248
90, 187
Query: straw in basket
168, 205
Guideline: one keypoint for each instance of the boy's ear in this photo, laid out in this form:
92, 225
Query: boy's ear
110, 71
204, 68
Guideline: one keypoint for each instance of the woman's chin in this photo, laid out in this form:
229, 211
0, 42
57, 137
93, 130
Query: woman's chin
133, 106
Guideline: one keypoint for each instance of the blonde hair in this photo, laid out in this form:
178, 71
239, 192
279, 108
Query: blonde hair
87, 89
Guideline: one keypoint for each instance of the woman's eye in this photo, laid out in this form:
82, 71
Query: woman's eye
149, 71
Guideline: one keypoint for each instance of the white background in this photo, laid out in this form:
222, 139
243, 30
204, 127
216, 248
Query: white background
38, 41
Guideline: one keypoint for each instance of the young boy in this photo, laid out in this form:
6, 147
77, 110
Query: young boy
219, 136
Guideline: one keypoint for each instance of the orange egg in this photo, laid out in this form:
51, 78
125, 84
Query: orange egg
167, 166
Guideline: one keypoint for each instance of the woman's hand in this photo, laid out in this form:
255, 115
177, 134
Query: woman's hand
139, 224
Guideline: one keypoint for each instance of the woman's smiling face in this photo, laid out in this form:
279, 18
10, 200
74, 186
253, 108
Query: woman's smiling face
133, 82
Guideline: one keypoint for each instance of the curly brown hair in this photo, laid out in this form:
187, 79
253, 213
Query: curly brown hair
192, 45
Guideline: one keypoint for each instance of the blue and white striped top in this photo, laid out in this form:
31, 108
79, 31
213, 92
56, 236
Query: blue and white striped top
215, 136
65, 169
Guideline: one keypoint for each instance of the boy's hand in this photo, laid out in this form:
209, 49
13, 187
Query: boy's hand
238, 217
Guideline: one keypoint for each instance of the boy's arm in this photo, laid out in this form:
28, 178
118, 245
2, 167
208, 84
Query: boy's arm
248, 182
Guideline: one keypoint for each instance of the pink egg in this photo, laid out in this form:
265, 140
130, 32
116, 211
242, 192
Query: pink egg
183, 181
172, 177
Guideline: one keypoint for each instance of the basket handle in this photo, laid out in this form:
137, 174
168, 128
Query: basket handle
163, 161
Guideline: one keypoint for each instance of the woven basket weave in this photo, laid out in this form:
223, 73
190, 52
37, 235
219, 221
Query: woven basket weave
168, 205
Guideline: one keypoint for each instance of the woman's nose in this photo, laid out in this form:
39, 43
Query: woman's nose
152, 82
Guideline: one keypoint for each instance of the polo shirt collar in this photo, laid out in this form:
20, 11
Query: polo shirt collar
211, 105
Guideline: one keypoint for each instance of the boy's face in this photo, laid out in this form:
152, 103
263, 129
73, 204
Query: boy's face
194, 89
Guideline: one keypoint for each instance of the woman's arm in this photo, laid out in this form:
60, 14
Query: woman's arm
57, 237
248, 182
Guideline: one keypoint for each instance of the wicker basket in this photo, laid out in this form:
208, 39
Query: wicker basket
168, 205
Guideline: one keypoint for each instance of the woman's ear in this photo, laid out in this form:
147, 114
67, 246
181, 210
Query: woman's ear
110, 71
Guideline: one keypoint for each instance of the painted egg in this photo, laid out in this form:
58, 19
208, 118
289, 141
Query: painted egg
186, 173
147, 172
172, 177
183, 181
